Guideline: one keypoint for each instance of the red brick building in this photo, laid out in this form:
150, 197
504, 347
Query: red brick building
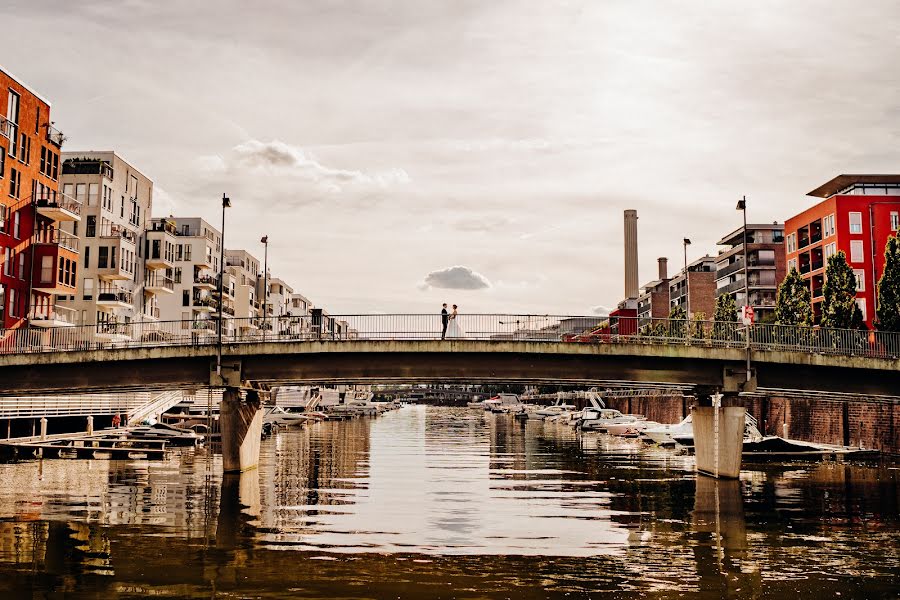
37, 259
856, 215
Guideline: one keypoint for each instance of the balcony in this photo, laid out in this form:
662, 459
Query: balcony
56, 237
207, 282
818, 292
78, 166
56, 316
205, 304
804, 268
113, 271
157, 283
114, 297
730, 269
151, 313
58, 207
55, 136
118, 232
227, 312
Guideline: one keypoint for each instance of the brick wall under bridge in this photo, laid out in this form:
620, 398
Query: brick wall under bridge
873, 424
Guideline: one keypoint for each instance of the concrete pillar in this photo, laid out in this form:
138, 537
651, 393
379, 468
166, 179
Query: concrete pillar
90, 425
43, 428
241, 425
719, 439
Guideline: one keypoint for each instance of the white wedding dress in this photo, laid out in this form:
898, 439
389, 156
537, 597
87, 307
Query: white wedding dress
454, 330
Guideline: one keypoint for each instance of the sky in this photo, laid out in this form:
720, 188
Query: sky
404, 153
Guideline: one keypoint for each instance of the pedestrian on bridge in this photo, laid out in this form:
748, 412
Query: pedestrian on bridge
445, 320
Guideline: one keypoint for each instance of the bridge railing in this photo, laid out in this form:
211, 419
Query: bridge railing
484, 327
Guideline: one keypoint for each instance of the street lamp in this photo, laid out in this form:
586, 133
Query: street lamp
226, 203
265, 242
742, 206
687, 282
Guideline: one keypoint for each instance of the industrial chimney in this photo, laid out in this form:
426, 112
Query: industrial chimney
663, 268
631, 254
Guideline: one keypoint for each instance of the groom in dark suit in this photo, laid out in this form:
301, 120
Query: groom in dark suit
445, 319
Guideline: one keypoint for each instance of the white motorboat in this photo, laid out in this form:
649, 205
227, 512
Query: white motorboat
276, 415
662, 434
504, 403
751, 434
598, 419
630, 428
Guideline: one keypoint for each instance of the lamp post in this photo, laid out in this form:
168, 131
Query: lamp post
687, 282
742, 206
265, 291
226, 202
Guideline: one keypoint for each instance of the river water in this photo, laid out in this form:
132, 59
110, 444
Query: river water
446, 503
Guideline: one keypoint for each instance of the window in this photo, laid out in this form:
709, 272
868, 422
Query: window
861, 303
860, 280
177, 278
792, 264
93, 193
87, 257
12, 126
12, 302
855, 222
187, 252
88, 292
830, 250
2, 163
112, 257
895, 221
16, 225
102, 257
856, 251
46, 269
179, 252
21, 265
828, 226
90, 229
7, 263
15, 183
185, 298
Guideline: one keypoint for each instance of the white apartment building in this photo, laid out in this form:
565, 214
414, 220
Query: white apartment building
116, 285
242, 285
279, 302
194, 273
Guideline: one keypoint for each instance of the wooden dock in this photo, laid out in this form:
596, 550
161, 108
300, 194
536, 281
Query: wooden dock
112, 444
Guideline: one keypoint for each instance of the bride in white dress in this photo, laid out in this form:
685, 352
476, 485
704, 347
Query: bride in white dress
453, 328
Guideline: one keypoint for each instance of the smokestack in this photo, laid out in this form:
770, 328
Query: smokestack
631, 254
663, 267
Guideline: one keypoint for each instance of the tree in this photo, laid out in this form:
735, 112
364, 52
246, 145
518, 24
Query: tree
677, 322
889, 288
725, 317
726, 311
839, 307
793, 305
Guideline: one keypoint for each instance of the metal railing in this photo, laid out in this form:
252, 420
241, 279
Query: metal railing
117, 231
156, 280
114, 293
56, 237
55, 136
484, 327
56, 199
55, 313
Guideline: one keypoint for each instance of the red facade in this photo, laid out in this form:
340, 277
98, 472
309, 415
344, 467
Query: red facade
31, 245
857, 220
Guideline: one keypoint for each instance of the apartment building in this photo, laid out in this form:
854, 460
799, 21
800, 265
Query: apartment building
278, 303
243, 283
40, 261
194, 273
114, 286
697, 291
857, 214
765, 264
653, 301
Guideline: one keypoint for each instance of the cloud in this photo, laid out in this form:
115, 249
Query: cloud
456, 278
279, 158
164, 204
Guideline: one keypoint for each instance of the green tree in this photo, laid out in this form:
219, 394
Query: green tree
726, 311
839, 307
889, 288
698, 325
725, 317
793, 305
677, 322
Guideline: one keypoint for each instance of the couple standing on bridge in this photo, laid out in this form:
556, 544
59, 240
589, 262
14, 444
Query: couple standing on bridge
450, 323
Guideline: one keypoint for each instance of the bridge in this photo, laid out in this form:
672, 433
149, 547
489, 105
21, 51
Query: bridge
725, 358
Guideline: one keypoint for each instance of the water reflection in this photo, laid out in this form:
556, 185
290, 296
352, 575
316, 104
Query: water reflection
445, 503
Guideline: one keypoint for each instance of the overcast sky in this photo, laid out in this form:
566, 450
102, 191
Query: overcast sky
392, 147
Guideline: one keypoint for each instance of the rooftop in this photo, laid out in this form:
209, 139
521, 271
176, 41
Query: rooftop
729, 239
842, 182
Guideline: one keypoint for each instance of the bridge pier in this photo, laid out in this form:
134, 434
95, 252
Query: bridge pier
719, 438
241, 424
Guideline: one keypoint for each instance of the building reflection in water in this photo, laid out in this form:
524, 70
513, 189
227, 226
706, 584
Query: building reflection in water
422, 501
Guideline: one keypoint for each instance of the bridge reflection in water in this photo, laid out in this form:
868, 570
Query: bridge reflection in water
437, 502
